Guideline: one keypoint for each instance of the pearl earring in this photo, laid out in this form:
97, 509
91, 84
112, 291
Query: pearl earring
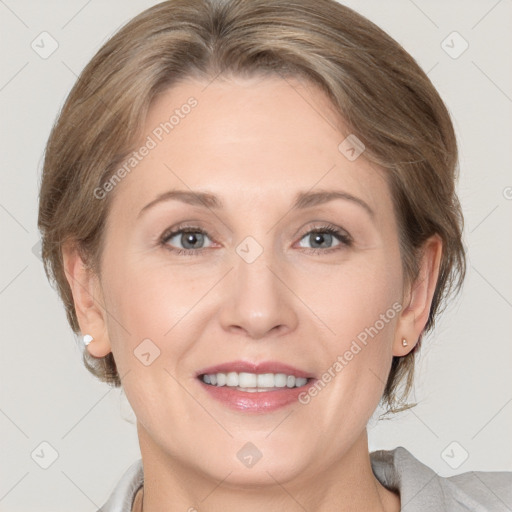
87, 339
404, 342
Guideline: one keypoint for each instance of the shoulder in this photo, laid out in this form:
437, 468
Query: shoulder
124, 492
422, 489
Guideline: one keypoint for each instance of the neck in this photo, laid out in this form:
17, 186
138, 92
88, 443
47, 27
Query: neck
347, 485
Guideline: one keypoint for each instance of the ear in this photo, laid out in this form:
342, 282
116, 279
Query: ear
88, 300
418, 298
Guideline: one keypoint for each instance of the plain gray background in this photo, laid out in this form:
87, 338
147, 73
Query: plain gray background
463, 381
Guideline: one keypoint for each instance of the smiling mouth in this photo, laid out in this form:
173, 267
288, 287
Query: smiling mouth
254, 382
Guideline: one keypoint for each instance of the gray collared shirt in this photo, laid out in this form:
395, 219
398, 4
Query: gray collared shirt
421, 489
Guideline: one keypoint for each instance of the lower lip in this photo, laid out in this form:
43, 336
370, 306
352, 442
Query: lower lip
260, 401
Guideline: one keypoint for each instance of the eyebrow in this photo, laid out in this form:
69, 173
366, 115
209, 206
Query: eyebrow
302, 200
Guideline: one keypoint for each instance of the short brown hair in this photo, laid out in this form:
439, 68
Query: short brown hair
380, 92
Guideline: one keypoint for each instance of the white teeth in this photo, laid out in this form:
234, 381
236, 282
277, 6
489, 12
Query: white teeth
253, 382
232, 379
247, 380
266, 380
280, 380
221, 379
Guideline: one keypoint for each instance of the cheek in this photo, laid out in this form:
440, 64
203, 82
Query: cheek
358, 296
364, 307
155, 319
150, 303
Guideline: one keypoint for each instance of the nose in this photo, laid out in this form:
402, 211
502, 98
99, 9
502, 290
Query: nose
257, 299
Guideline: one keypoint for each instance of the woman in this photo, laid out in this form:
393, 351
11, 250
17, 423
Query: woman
249, 210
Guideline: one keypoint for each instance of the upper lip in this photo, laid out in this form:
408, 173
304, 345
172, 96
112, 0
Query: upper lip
250, 367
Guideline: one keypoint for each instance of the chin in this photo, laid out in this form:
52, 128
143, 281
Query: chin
249, 460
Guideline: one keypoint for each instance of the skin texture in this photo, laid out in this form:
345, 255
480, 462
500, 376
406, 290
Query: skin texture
254, 143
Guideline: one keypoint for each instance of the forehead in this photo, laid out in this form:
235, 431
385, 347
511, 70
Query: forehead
252, 138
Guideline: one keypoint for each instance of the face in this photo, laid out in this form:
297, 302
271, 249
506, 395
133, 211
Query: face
264, 275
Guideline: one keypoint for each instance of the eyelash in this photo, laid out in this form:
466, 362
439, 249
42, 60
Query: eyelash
342, 237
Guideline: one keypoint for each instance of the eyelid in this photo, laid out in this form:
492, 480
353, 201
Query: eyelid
325, 226
176, 230
318, 227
